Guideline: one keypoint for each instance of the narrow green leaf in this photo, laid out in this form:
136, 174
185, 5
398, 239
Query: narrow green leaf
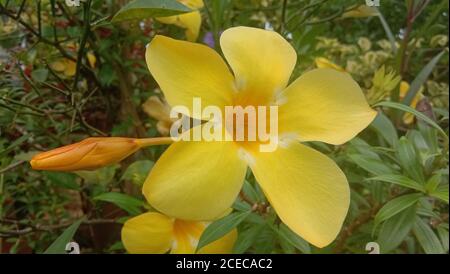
137, 172
372, 165
421, 78
398, 180
221, 227
246, 238
396, 206
143, 9
412, 111
388, 31
394, 230
294, 239
126, 202
62, 179
410, 160
443, 235
441, 193
384, 127
427, 238
59, 245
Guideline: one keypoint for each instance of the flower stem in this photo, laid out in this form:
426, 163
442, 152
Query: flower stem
145, 142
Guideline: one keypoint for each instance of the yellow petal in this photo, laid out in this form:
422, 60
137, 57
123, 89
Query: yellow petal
157, 109
170, 20
193, 4
223, 245
188, 181
360, 12
262, 62
324, 105
191, 22
307, 190
71, 68
186, 70
148, 233
322, 62
187, 234
92, 60
58, 66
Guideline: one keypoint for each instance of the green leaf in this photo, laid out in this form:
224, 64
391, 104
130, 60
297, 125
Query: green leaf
410, 160
138, 171
371, 164
441, 193
126, 202
388, 31
246, 238
427, 238
398, 180
394, 231
295, 240
39, 75
221, 227
384, 127
409, 109
421, 78
62, 179
249, 191
59, 245
143, 9
433, 182
443, 235
396, 206
101, 176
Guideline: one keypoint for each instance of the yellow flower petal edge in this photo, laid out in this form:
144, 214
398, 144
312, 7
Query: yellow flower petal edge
324, 105
155, 233
196, 180
322, 62
262, 62
308, 191
186, 70
150, 232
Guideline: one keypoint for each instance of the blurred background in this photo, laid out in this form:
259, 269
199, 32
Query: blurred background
71, 71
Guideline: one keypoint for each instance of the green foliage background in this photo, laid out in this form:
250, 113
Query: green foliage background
398, 171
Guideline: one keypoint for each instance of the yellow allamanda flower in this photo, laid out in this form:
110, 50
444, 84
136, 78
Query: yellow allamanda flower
153, 232
408, 118
200, 180
190, 21
91, 153
322, 62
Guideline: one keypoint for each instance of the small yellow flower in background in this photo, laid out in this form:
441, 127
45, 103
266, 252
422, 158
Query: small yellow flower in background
159, 110
364, 44
360, 12
92, 60
91, 153
64, 66
153, 232
190, 21
199, 180
322, 62
408, 118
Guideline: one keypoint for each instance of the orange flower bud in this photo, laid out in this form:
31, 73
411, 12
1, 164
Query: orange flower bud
91, 153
